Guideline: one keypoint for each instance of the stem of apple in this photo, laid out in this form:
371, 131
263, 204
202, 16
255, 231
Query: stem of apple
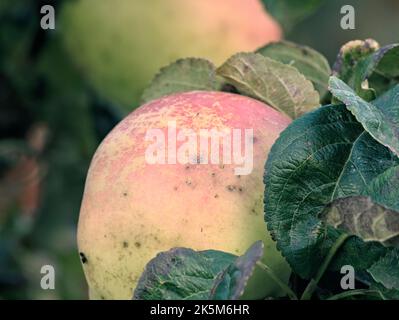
307, 294
291, 294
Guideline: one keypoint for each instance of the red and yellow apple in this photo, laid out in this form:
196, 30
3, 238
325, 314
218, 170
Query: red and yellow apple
134, 208
119, 45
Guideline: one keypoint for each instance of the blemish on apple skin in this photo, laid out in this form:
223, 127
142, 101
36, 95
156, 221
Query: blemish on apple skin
137, 244
231, 188
190, 183
125, 244
83, 257
216, 196
125, 194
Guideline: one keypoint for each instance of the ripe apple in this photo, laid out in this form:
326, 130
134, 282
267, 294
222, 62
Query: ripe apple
134, 207
119, 45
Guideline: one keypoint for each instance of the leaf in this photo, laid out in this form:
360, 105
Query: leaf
386, 271
386, 58
382, 124
321, 156
181, 274
384, 188
386, 294
312, 64
360, 216
290, 12
183, 75
366, 67
279, 85
350, 54
388, 64
230, 283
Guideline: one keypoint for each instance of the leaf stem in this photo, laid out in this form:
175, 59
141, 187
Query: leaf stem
291, 294
307, 294
351, 293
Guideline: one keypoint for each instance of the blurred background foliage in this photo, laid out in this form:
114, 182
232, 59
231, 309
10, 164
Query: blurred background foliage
51, 122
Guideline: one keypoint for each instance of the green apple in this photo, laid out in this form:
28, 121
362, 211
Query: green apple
119, 45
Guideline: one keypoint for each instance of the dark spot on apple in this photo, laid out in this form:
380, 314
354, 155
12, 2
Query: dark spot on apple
125, 194
216, 196
137, 244
231, 188
83, 257
125, 244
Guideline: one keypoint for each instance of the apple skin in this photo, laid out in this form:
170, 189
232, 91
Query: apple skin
119, 45
132, 210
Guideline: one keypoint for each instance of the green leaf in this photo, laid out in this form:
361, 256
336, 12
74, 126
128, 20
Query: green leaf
386, 294
290, 12
381, 123
321, 156
362, 217
385, 59
350, 54
183, 75
279, 85
388, 64
230, 283
385, 271
312, 64
181, 274
367, 68
384, 188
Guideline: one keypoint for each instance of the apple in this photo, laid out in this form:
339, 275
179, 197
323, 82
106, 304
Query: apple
152, 185
119, 45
